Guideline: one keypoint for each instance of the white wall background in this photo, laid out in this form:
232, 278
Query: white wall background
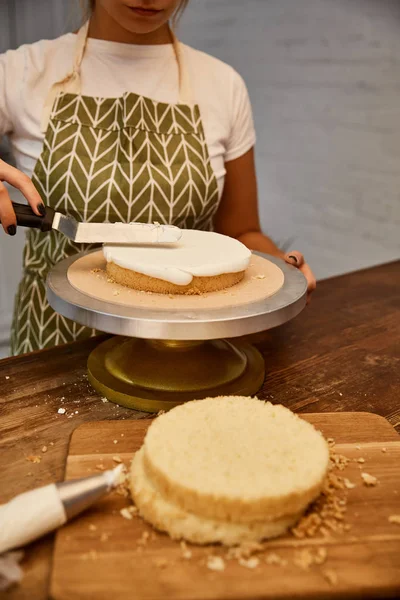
324, 79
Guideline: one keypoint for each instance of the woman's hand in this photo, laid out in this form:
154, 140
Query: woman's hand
22, 182
297, 260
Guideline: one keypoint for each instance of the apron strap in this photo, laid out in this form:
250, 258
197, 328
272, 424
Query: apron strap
71, 83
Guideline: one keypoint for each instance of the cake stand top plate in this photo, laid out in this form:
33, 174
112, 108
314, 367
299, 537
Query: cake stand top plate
193, 324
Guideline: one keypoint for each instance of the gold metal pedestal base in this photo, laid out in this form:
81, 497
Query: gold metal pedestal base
154, 375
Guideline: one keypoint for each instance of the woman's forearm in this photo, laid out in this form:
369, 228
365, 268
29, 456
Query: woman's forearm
257, 241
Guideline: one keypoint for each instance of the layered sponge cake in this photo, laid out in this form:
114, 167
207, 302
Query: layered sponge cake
201, 262
228, 470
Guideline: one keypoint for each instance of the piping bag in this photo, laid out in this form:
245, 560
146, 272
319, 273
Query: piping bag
35, 513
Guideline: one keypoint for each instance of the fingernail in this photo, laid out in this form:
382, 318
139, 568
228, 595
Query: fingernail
42, 209
12, 230
294, 258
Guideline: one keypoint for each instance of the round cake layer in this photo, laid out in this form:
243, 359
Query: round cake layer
179, 524
198, 285
197, 254
236, 459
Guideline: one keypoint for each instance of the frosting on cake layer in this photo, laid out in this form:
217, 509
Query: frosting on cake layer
197, 254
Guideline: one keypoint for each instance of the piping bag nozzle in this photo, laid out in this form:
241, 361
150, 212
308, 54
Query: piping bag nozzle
37, 512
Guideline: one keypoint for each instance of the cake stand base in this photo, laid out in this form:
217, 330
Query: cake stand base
154, 375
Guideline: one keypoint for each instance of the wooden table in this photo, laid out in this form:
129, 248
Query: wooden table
341, 354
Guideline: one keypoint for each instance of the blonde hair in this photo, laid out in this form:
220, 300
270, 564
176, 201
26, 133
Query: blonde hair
89, 5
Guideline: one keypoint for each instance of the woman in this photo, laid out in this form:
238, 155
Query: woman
121, 122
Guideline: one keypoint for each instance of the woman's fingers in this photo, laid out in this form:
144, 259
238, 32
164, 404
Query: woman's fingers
22, 182
7, 215
294, 258
311, 281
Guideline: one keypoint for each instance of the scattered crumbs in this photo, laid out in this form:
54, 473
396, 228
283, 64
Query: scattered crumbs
361, 460
275, 559
96, 270
384, 449
249, 563
122, 435
51, 443
104, 400
358, 447
331, 441
76, 412
215, 563
115, 293
126, 513
395, 519
186, 553
245, 550
61, 411
303, 558
330, 576
258, 277
369, 480
117, 459
100, 467
92, 527
160, 563
44, 449
348, 484
104, 537
34, 459
171, 296
115, 441
7, 377
340, 394
160, 412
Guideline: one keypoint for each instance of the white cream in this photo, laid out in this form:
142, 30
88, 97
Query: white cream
198, 253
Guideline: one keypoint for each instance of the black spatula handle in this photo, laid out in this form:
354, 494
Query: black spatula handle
27, 218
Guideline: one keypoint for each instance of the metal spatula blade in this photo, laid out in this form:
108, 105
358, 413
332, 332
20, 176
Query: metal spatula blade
97, 233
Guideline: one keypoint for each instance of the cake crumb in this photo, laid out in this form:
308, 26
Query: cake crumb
100, 467
104, 400
126, 513
369, 480
34, 459
44, 449
92, 527
7, 377
186, 553
395, 519
384, 449
115, 293
275, 559
215, 563
358, 447
303, 559
160, 563
330, 576
117, 459
258, 277
245, 550
62, 411
115, 441
249, 563
104, 537
361, 460
348, 484
144, 538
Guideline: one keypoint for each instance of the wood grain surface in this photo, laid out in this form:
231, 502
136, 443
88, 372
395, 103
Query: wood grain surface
341, 354
364, 560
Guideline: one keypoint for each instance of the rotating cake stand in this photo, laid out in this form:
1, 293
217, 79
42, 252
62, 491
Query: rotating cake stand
161, 358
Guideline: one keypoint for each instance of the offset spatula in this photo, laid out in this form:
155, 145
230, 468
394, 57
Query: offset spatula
97, 233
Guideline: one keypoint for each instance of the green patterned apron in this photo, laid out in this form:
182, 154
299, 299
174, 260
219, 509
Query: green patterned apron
105, 160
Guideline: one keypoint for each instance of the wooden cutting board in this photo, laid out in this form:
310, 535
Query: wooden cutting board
98, 555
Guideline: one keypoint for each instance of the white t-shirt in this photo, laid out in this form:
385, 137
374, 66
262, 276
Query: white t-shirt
108, 70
